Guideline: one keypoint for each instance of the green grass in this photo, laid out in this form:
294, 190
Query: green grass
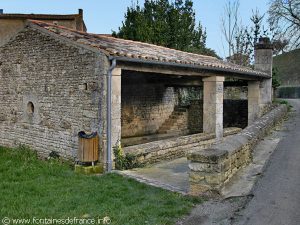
34, 188
283, 102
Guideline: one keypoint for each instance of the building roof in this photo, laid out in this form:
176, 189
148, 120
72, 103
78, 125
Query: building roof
134, 50
38, 16
78, 18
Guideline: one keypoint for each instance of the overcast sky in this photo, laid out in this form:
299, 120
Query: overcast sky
103, 16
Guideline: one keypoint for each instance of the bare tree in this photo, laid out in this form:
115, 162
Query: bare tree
257, 20
258, 30
242, 47
229, 23
245, 39
284, 15
279, 46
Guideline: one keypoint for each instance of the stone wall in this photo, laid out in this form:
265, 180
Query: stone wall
195, 117
145, 106
212, 168
49, 91
236, 93
235, 113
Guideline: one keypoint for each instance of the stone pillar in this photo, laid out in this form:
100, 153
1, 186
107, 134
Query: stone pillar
264, 63
253, 101
115, 117
116, 107
213, 105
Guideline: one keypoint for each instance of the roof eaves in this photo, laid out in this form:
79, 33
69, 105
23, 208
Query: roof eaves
253, 74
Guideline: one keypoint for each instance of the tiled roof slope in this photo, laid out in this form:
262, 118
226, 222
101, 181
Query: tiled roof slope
138, 50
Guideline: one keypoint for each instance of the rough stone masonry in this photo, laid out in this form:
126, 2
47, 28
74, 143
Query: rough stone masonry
49, 91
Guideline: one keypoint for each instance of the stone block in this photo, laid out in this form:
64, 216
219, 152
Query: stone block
89, 170
215, 178
225, 165
140, 159
199, 189
208, 156
79, 169
205, 167
234, 170
98, 169
227, 174
196, 177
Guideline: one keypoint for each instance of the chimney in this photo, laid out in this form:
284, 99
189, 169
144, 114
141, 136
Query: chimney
80, 12
264, 55
1, 11
263, 62
79, 21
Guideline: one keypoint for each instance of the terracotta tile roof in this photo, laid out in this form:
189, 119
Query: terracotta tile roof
143, 51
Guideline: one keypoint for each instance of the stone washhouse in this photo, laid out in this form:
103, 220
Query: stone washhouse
55, 82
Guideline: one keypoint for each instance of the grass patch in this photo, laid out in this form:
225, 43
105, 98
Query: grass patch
44, 189
283, 102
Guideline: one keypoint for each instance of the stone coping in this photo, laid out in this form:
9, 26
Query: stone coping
175, 142
232, 144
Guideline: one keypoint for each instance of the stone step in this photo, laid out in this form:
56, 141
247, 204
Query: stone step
175, 132
174, 129
177, 122
179, 118
176, 116
170, 123
179, 113
181, 122
180, 109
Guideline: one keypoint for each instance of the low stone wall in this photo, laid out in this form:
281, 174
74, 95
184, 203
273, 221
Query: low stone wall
212, 168
156, 151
